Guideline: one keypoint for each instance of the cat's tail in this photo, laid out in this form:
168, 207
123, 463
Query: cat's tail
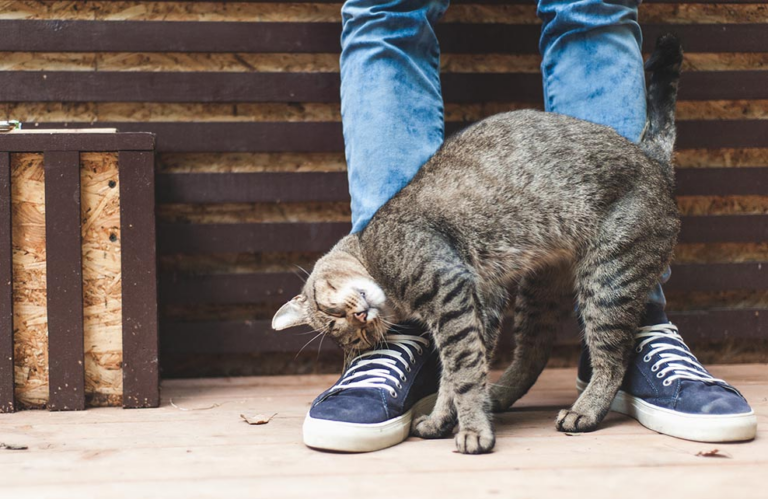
664, 64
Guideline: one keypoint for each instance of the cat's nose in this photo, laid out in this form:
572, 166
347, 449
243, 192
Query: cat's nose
361, 316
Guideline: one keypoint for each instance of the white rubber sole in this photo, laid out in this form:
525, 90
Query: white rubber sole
355, 437
698, 427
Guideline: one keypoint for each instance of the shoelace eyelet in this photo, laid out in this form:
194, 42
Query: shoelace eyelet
654, 369
393, 394
660, 375
419, 351
667, 382
399, 386
403, 379
407, 369
647, 358
638, 349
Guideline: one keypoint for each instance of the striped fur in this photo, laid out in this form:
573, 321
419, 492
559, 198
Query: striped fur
566, 209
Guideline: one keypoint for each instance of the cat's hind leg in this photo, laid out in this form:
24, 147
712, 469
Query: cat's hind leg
612, 283
544, 298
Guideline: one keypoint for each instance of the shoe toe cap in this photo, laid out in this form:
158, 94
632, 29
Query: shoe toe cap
352, 406
701, 398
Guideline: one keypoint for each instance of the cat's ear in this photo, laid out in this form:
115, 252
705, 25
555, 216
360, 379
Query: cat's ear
293, 313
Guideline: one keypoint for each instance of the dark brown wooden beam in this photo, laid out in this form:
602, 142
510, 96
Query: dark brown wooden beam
66, 377
93, 142
251, 187
141, 374
127, 86
257, 336
747, 181
279, 287
191, 36
245, 238
286, 187
320, 236
724, 229
6, 288
327, 136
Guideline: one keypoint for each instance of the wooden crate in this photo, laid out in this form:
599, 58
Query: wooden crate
78, 306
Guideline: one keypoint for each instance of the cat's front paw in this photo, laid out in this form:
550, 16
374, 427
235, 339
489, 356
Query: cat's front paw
475, 442
571, 421
429, 426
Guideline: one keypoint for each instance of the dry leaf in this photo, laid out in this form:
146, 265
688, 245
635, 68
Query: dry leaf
712, 453
258, 418
13, 447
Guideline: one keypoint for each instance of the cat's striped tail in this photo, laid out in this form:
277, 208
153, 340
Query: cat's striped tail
659, 139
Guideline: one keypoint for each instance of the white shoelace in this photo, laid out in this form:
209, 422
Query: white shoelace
392, 361
683, 365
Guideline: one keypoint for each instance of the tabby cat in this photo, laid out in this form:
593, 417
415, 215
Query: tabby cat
559, 206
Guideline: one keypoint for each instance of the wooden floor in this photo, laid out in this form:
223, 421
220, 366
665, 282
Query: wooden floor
199, 447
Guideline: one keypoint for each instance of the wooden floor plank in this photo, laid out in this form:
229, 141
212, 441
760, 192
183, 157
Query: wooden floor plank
209, 452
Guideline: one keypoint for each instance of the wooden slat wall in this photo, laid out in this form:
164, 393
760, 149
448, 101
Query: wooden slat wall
243, 97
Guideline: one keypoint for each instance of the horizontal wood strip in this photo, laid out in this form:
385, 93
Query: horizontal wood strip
171, 36
470, 2
251, 187
724, 229
243, 337
245, 238
222, 112
277, 287
324, 137
255, 237
201, 87
310, 12
311, 187
93, 142
751, 181
244, 62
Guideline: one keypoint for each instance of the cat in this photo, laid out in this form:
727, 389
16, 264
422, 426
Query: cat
559, 206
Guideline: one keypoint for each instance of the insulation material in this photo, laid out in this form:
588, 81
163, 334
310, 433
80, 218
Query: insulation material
254, 212
721, 253
722, 205
719, 158
102, 300
220, 62
30, 321
243, 162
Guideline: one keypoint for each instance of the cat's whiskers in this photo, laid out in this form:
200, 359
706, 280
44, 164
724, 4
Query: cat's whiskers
321, 333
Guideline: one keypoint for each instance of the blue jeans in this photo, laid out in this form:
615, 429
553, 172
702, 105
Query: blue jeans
392, 106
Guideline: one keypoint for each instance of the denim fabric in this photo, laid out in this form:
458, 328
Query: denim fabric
392, 107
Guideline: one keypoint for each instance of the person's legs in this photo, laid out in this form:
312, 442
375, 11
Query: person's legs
592, 69
391, 103
392, 112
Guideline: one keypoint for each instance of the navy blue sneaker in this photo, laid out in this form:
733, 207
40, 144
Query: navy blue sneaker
667, 390
373, 403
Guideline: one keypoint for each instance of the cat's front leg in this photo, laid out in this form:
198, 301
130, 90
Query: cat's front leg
460, 341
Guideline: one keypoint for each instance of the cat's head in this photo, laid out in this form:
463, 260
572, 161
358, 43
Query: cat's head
341, 299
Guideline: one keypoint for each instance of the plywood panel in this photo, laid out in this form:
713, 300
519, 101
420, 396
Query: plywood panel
30, 320
102, 300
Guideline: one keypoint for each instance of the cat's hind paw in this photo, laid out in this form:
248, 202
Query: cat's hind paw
475, 442
571, 421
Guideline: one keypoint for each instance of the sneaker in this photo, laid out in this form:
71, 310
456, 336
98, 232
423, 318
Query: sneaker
667, 390
373, 403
